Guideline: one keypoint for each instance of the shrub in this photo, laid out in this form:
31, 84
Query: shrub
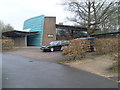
7, 44
106, 45
77, 49
116, 65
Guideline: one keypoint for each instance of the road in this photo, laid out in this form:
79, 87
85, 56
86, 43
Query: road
22, 72
0, 70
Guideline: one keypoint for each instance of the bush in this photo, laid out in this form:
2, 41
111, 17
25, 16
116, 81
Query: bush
106, 45
115, 65
7, 44
77, 49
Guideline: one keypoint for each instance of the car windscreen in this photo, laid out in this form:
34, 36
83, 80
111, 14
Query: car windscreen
54, 43
65, 42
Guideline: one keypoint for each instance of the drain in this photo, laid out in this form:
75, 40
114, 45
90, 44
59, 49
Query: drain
30, 61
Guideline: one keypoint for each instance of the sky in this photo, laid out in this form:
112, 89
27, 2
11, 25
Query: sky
15, 12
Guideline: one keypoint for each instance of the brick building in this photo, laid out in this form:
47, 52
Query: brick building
42, 30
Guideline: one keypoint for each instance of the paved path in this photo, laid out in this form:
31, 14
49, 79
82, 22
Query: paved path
22, 72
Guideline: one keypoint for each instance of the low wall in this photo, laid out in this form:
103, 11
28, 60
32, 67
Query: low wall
20, 41
7, 44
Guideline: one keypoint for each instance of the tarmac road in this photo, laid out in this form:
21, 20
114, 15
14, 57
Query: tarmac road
22, 72
0, 71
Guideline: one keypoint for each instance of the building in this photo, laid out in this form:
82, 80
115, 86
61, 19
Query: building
70, 32
42, 30
45, 27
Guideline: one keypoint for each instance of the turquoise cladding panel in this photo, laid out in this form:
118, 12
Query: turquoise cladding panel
35, 24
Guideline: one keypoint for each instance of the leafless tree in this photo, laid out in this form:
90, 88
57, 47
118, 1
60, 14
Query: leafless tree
4, 28
90, 14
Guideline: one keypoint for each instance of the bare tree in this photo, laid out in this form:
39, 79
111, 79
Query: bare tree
4, 28
7, 27
90, 14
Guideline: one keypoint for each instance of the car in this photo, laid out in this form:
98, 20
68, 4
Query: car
55, 46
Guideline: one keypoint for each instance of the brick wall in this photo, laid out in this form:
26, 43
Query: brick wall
49, 30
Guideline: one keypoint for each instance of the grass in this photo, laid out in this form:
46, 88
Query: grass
62, 61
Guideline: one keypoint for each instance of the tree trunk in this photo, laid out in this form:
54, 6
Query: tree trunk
89, 20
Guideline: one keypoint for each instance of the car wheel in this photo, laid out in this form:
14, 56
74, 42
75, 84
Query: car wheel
44, 50
51, 49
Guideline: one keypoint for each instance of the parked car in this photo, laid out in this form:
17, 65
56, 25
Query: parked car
55, 46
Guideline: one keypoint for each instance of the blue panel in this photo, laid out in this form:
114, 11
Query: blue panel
35, 24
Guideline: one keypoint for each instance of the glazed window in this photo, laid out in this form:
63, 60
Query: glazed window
50, 35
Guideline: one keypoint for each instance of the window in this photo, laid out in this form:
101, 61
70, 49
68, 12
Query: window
50, 35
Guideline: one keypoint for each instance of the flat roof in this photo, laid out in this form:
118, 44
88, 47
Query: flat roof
50, 17
16, 33
87, 38
110, 33
71, 27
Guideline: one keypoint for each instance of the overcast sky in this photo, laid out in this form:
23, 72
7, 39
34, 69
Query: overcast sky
15, 12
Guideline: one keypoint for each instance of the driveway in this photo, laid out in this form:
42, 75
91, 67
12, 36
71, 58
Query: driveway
23, 72
36, 53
